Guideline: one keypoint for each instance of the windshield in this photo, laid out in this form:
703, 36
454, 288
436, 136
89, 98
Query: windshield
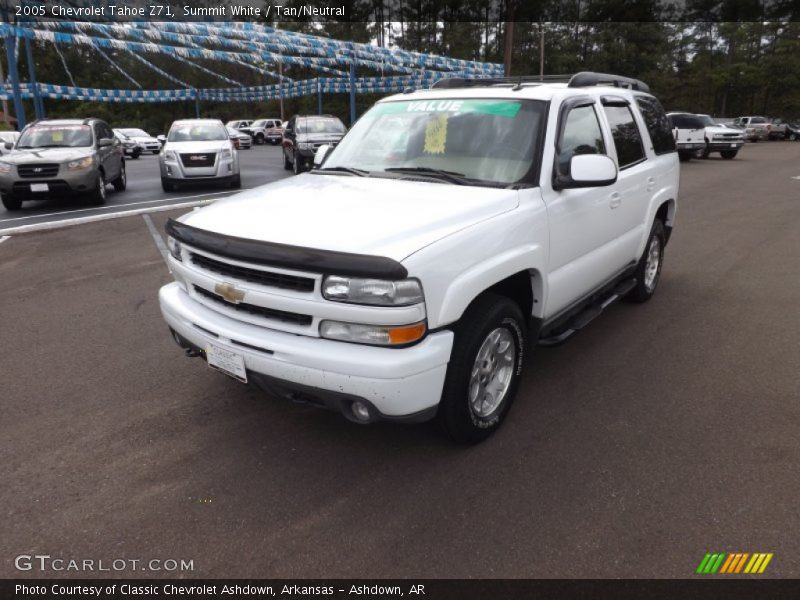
486, 140
197, 132
56, 136
261, 123
135, 132
317, 125
686, 121
707, 121
233, 132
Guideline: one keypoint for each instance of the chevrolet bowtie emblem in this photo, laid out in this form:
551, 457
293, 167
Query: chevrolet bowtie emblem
230, 292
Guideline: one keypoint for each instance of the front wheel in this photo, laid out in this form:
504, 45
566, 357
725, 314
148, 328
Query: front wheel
296, 169
648, 271
484, 370
685, 155
259, 139
236, 182
793, 137
98, 195
702, 152
729, 154
121, 182
11, 202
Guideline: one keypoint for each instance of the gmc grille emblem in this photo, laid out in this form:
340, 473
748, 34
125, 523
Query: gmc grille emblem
198, 157
37, 170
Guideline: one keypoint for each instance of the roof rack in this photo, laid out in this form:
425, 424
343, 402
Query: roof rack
578, 80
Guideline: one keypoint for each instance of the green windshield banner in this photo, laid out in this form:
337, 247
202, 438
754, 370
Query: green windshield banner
497, 108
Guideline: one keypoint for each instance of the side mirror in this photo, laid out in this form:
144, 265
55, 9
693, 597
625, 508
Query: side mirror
9, 145
161, 138
104, 142
588, 170
321, 154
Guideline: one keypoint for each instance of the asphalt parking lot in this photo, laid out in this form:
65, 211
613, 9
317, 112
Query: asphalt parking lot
660, 433
259, 165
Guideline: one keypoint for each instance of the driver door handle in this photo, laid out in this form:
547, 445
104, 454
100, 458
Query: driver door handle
615, 200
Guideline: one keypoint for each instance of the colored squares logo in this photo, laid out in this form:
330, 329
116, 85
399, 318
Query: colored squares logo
734, 562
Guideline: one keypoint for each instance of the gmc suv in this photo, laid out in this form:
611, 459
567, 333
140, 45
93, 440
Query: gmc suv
406, 278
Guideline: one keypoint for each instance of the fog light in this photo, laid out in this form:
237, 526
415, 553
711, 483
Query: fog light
169, 170
360, 411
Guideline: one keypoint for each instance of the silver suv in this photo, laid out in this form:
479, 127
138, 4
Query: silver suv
62, 157
198, 151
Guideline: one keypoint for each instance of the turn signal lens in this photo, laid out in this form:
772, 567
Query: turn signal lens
375, 335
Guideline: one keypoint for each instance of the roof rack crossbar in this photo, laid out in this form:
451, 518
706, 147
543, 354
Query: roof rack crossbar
465, 82
582, 79
590, 79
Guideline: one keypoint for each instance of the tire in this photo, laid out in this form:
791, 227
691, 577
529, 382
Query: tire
490, 320
793, 137
236, 182
701, 153
685, 155
156, 151
259, 139
136, 155
729, 154
286, 163
97, 196
296, 164
168, 186
647, 274
121, 182
11, 202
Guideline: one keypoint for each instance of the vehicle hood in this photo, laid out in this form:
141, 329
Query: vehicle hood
46, 155
211, 146
142, 138
362, 215
722, 130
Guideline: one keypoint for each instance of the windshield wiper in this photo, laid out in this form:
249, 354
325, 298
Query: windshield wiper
351, 170
451, 176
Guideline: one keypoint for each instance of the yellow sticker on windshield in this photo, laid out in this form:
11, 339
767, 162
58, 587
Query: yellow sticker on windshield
436, 134
58, 136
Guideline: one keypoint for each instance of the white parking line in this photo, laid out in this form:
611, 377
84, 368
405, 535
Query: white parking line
4, 238
105, 217
55, 214
156, 236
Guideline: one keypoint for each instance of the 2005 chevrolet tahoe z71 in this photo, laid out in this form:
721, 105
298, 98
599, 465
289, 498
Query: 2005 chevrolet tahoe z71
405, 277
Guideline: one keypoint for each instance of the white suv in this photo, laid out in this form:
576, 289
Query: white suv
407, 277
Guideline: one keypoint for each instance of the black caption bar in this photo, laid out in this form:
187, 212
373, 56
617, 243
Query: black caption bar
427, 589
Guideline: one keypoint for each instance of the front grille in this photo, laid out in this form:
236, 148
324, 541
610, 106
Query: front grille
37, 170
268, 278
260, 311
198, 159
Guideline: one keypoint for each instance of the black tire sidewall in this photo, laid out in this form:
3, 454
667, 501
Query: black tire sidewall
455, 414
640, 293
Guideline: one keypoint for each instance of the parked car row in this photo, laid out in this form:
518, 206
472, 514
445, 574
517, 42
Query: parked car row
261, 131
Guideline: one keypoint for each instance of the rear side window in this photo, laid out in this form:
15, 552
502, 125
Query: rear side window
627, 139
657, 125
582, 135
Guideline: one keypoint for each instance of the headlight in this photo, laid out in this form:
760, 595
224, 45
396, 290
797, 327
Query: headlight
170, 156
174, 248
226, 154
376, 292
5, 168
83, 163
376, 335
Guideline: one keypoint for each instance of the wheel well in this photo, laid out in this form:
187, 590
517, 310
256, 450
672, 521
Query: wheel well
519, 288
666, 214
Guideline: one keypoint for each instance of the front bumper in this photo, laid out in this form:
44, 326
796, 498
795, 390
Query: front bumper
396, 383
63, 183
688, 146
717, 145
223, 169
